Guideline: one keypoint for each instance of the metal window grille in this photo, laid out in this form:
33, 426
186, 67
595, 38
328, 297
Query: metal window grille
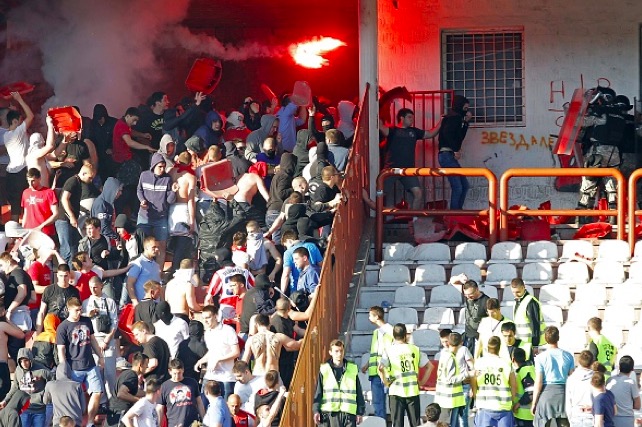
487, 67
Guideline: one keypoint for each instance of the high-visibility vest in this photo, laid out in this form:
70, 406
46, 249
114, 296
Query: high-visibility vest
404, 369
524, 411
493, 385
375, 353
448, 395
522, 322
524, 345
606, 352
339, 397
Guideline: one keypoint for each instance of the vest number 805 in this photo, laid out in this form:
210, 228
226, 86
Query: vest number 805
492, 379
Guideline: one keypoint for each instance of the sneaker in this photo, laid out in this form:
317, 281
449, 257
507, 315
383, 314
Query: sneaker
122, 363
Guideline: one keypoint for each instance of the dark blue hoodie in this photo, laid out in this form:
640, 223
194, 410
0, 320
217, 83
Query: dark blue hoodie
103, 207
156, 190
207, 134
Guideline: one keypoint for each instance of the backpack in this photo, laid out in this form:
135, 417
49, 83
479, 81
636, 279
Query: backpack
527, 383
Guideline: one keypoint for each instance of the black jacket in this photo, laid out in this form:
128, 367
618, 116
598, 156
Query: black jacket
453, 126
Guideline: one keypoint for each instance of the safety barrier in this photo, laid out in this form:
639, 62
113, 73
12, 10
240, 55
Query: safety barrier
479, 172
633, 203
504, 212
340, 257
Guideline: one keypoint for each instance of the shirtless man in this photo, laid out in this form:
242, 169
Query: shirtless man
185, 205
7, 329
179, 292
266, 346
249, 184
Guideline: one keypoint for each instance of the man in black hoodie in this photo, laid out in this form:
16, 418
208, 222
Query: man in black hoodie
280, 189
102, 133
454, 126
257, 300
192, 349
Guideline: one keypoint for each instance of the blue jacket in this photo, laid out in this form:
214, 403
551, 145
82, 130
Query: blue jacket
209, 136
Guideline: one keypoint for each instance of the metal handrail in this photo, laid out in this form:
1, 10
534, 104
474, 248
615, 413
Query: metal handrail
632, 208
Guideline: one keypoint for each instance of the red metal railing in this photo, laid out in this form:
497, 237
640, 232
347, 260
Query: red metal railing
336, 274
504, 212
633, 204
479, 172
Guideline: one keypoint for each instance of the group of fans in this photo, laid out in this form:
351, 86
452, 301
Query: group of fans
107, 206
511, 372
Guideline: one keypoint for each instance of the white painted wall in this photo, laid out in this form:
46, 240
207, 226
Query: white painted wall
565, 41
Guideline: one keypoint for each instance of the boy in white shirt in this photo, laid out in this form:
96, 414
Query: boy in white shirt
146, 411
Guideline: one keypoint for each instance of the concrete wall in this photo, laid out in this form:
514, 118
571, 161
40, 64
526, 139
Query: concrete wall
565, 43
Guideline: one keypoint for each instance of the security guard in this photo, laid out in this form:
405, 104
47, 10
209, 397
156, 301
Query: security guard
527, 315
525, 373
338, 399
494, 388
381, 339
510, 343
449, 393
402, 362
602, 349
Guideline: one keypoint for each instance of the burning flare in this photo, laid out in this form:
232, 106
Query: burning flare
310, 54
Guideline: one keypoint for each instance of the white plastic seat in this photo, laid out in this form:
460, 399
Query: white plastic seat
637, 251
506, 252
614, 250
573, 248
622, 316
410, 296
500, 274
635, 273
508, 299
614, 334
461, 321
445, 296
541, 251
552, 315
554, 294
579, 314
608, 272
394, 275
435, 253
537, 273
395, 253
572, 273
635, 336
470, 252
373, 421
427, 340
507, 311
438, 318
471, 271
430, 275
591, 293
489, 290
572, 338
406, 315
633, 350
627, 294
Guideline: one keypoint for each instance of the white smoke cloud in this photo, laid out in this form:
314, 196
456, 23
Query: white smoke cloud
96, 51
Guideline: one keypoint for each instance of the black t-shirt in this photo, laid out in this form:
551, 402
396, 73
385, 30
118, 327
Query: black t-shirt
146, 311
156, 348
16, 278
180, 400
400, 149
78, 191
97, 247
324, 193
56, 299
76, 336
78, 152
282, 325
128, 379
153, 124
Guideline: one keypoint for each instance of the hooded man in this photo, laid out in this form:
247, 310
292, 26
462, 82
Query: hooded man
304, 141
173, 330
103, 207
38, 150
192, 349
167, 149
101, 133
235, 127
156, 193
280, 190
454, 126
30, 377
346, 123
289, 121
240, 165
269, 128
66, 395
257, 300
212, 131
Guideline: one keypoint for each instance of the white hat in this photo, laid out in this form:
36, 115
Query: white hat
13, 229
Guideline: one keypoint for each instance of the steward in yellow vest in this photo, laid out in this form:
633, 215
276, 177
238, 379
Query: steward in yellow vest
602, 349
381, 339
449, 393
338, 399
510, 343
527, 315
494, 388
525, 379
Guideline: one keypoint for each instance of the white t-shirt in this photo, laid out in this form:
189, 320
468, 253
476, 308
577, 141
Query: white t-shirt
146, 415
247, 392
220, 341
16, 141
173, 334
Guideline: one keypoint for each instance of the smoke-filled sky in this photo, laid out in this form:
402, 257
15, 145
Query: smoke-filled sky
106, 51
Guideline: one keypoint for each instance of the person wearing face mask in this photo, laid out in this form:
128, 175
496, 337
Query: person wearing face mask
269, 127
270, 157
327, 123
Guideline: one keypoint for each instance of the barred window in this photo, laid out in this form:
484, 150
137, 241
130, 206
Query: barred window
487, 67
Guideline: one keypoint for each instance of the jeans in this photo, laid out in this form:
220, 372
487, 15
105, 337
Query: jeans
69, 238
464, 413
270, 217
455, 414
458, 184
378, 396
33, 419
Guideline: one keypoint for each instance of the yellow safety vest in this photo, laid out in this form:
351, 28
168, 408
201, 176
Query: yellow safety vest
524, 412
522, 322
339, 397
493, 385
404, 369
448, 395
375, 354
606, 352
